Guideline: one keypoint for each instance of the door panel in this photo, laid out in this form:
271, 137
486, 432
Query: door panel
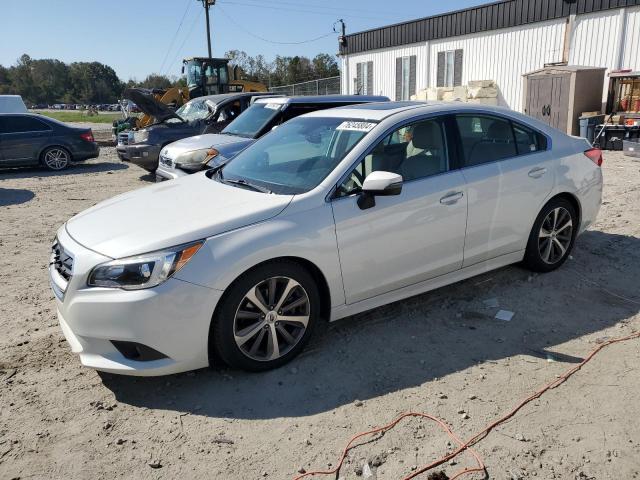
504, 199
539, 94
559, 102
404, 239
23, 137
23, 146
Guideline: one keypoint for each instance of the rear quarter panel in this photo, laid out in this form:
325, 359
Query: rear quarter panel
578, 175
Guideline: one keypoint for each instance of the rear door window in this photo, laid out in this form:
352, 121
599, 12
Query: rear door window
528, 140
22, 124
485, 139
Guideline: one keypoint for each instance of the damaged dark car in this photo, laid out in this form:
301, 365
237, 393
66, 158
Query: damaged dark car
209, 114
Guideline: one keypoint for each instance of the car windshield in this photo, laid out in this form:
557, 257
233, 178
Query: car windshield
296, 156
253, 119
191, 111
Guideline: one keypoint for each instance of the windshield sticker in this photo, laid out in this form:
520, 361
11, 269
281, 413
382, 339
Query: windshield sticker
356, 126
273, 106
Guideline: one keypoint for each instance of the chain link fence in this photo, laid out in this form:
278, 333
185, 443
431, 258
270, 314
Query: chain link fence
323, 86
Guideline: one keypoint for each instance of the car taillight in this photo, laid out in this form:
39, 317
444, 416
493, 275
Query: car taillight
87, 136
595, 155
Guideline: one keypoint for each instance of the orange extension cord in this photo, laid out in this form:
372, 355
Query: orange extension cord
473, 440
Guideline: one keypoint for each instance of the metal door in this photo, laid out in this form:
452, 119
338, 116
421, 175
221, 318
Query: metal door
404, 239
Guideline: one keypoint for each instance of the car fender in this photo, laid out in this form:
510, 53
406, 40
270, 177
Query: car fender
308, 234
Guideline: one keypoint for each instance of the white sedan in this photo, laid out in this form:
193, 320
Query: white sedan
331, 214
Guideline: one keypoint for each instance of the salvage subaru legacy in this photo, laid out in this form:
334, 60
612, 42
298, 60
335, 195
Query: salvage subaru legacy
333, 213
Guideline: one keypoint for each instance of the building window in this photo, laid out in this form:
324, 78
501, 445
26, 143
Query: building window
364, 78
405, 77
449, 68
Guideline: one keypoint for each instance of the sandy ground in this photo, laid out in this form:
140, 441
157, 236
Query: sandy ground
441, 353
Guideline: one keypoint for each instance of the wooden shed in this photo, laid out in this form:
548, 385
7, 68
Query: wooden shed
559, 94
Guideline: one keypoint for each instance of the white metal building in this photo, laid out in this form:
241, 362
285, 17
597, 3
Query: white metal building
499, 41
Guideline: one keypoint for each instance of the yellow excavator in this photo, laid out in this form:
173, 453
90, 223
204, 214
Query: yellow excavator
205, 76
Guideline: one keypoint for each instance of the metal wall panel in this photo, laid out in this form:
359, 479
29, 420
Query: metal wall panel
384, 66
504, 56
505, 14
631, 50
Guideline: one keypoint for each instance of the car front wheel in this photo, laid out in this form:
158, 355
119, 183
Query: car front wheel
266, 317
552, 237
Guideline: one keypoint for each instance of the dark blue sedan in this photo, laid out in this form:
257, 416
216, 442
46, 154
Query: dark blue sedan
31, 139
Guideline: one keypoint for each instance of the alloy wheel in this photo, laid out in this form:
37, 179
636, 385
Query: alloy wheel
271, 319
56, 159
556, 233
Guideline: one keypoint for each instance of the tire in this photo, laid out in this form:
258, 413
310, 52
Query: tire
55, 158
552, 236
242, 333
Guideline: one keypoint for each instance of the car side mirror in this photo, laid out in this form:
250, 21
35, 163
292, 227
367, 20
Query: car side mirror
379, 184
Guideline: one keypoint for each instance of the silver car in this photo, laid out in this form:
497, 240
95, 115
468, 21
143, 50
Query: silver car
331, 214
201, 152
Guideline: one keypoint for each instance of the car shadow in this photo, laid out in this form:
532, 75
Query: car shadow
75, 169
414, 341
15, 196
148, 177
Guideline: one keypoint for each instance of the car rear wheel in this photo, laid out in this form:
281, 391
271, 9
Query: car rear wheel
552, 237
56, 158
265, 317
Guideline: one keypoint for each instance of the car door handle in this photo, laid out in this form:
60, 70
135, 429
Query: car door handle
451, 198
537, 172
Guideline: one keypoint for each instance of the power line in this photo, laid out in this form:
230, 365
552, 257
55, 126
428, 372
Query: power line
175, 35
336, 10
185, 39
298, 10
249, 32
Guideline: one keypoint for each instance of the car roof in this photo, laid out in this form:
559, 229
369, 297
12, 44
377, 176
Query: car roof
380, 111
324, 99
222, 97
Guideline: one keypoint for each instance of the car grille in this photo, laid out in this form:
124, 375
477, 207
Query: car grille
123, 138
61, 261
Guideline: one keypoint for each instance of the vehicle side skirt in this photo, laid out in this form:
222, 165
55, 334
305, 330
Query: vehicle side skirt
343, 311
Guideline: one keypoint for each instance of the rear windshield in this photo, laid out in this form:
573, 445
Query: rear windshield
250, 122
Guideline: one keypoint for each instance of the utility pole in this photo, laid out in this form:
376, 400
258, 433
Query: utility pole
342, 39
206, 4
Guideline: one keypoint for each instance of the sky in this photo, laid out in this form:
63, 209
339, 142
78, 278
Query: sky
138, 37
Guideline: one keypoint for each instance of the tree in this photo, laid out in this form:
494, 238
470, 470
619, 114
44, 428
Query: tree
155, 80
325, 65
283, 70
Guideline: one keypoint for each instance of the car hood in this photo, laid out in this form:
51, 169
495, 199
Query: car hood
170, 213
199, 142
149, 105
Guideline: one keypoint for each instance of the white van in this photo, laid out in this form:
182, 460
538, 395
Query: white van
12, 104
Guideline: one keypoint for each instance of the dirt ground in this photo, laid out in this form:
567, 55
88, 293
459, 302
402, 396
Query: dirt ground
442, 353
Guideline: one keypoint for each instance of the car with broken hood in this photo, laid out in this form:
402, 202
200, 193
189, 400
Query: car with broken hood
206, 151
209, 114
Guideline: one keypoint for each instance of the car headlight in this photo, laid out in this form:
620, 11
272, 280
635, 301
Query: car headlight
195, 159
143, 271
140, 136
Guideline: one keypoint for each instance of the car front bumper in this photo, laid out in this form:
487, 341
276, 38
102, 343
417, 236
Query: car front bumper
173, 319
143, 155
168, 172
